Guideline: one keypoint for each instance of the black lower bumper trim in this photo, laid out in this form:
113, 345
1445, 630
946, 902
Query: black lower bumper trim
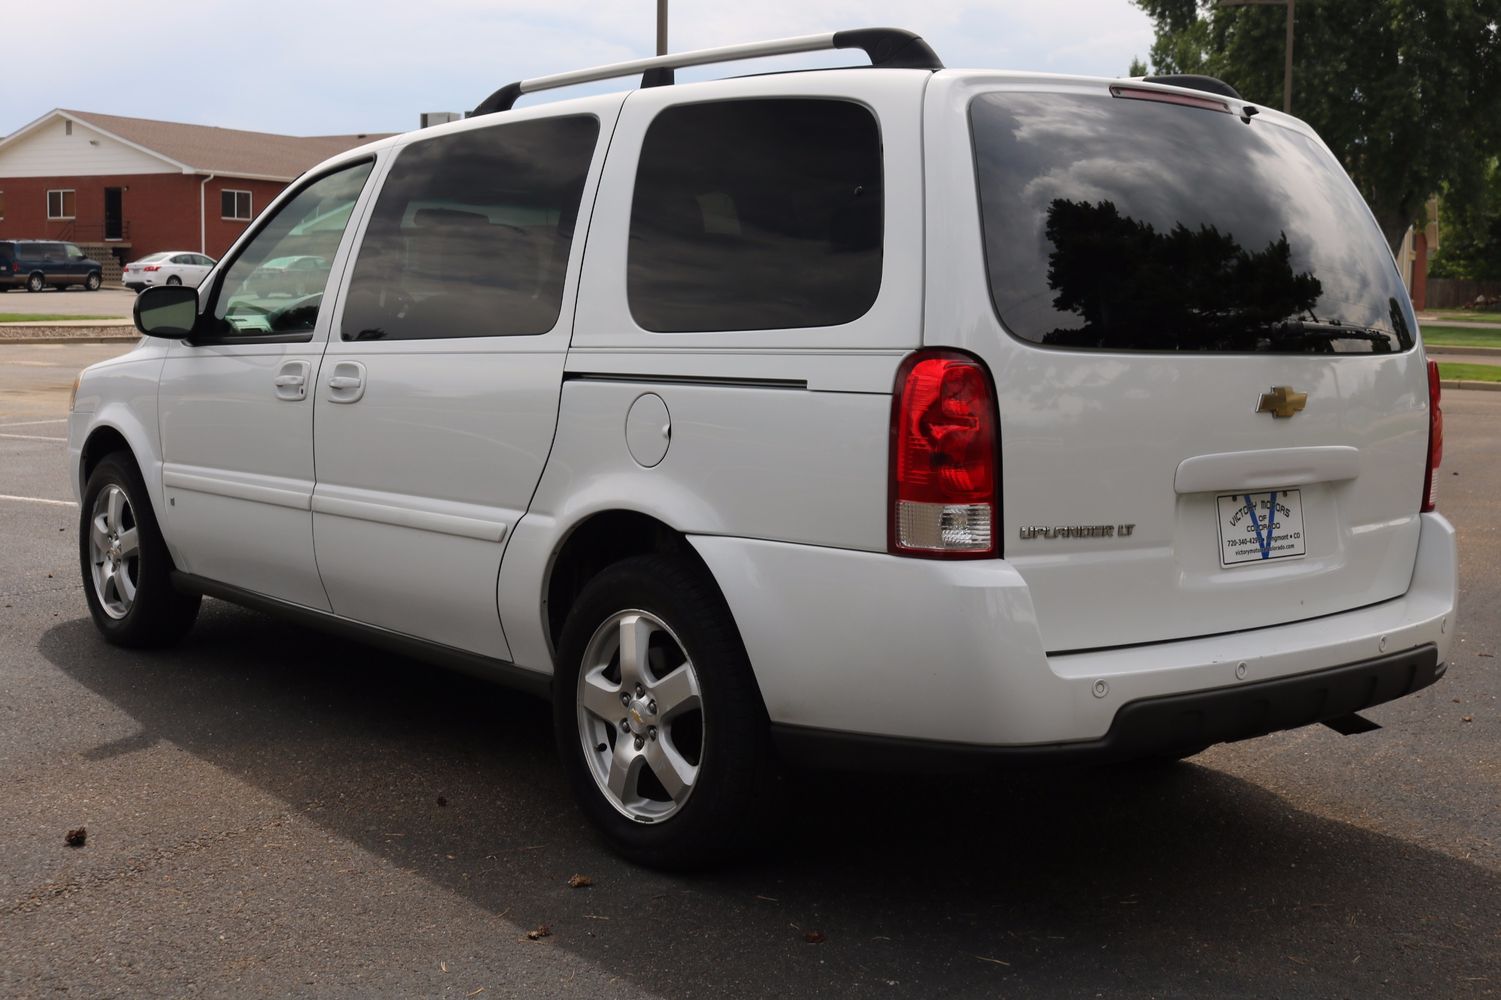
1165, 726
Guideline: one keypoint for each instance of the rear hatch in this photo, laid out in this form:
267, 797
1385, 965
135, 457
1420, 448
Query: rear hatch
1212, 414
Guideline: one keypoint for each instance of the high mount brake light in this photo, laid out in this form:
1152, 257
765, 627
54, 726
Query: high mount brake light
944, 492
1168, 97
1435, 440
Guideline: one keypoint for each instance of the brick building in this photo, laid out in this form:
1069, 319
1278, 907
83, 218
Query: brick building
126, 187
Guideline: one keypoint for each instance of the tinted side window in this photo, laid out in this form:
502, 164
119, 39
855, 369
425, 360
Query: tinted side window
756, 215
471, 233
275, 286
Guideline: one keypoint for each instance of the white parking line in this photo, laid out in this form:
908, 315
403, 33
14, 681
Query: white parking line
28, 423
55, 503
32, 437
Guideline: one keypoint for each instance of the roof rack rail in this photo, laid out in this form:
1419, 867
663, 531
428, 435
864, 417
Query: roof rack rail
891, 48
1194, 81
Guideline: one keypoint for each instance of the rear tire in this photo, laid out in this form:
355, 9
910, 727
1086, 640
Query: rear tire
126, 567
666, 747
36, 283
174, 280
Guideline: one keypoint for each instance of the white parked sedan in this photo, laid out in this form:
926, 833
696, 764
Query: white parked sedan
170, 267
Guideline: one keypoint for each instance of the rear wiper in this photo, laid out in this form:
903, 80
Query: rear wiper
1305, 332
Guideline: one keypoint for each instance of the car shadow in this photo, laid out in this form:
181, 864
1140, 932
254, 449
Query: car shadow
1174, 880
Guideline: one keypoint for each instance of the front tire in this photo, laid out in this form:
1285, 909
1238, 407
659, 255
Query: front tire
659, 723
126, 567
92, 282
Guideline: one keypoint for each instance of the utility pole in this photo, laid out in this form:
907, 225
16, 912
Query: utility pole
1287, 65
662, 27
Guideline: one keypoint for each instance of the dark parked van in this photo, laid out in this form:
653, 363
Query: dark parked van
35, 264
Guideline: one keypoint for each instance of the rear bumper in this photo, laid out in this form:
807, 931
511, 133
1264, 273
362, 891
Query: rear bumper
1171, 724
872, 645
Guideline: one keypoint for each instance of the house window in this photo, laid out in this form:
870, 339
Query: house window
60, 204
234, 205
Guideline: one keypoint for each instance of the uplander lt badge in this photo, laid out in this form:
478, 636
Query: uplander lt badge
1031, 531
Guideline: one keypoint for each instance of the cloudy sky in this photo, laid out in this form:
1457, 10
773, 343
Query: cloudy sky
317, 67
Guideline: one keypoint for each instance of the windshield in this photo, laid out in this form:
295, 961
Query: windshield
1136, 225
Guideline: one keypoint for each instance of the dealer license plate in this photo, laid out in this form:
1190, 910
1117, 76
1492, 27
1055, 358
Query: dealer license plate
1260, 527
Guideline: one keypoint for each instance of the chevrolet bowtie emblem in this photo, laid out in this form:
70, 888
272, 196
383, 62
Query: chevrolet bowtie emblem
1282, 401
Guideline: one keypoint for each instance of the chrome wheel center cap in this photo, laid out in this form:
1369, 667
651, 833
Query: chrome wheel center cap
640, 717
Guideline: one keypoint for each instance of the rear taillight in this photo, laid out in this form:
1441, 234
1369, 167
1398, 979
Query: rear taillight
151, 267
944, 498
1435, 440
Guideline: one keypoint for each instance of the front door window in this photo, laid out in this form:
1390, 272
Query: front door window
275, 285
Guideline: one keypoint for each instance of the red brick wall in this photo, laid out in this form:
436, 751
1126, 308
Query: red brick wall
160, 210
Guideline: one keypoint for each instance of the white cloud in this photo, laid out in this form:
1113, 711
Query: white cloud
309, 68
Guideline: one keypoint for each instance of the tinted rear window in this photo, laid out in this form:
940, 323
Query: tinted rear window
756, 215
1133, 225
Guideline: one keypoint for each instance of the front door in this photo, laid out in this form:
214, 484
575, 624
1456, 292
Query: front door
438, 396
114, 214
236, 411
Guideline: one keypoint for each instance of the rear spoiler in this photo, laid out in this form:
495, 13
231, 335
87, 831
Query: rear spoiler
1193, 81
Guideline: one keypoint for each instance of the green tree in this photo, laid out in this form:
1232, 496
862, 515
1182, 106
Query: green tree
1470, 233
1407, 93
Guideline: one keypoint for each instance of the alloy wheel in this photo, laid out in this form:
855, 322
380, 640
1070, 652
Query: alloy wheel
640, 716
114, 551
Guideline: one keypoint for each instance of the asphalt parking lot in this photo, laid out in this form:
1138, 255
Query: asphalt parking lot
271, 811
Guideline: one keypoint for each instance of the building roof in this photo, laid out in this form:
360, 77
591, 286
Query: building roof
206, 149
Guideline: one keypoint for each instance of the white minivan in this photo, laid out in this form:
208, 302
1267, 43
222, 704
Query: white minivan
893, 417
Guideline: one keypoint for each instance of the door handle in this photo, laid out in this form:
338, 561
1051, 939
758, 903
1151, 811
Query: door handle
291, 380
347, 383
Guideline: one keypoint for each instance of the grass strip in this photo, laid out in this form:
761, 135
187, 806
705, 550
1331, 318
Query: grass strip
1468, 315
1453, 336
1469, 373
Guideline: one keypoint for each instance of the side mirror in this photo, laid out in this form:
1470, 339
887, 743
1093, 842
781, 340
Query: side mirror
167, 311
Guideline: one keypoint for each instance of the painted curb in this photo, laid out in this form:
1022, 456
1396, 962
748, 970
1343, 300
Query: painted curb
1470, 384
